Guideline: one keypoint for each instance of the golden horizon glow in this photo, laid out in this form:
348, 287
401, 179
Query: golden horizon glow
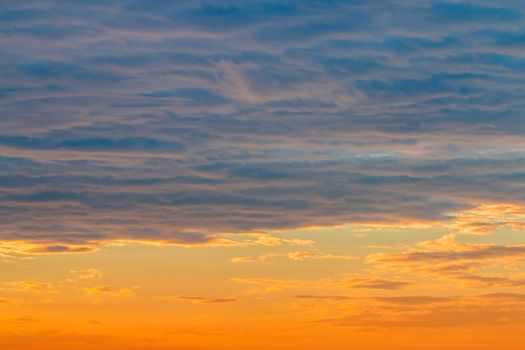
269, 293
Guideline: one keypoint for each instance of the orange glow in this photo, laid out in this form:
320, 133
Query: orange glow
266, 293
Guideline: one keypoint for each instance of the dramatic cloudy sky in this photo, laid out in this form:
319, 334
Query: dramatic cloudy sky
221, 123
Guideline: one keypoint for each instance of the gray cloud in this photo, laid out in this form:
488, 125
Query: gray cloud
179, 121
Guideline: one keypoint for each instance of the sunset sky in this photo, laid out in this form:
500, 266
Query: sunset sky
289, 175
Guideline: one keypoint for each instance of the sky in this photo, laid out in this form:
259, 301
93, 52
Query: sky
262, 174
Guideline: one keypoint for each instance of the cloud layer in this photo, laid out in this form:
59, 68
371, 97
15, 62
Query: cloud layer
177, 122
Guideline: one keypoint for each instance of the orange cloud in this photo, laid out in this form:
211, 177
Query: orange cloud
199, 299
297, 256
30, 286
86, 274
318, 256
447, 257
108, 290
322, 297
487, 218
428, 311
276, 285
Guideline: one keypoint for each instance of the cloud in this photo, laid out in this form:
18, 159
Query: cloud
447, 258
486, 219
24, 319
108, 290
398, 300
322, 297
459, 252
9, 301
82, 281
371, 283
199, 299
270, 285
426, 311
182, 122
413, 300
59, 248
465, 12
318, 256
92, 144
83, 275
29, 286
296, 256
